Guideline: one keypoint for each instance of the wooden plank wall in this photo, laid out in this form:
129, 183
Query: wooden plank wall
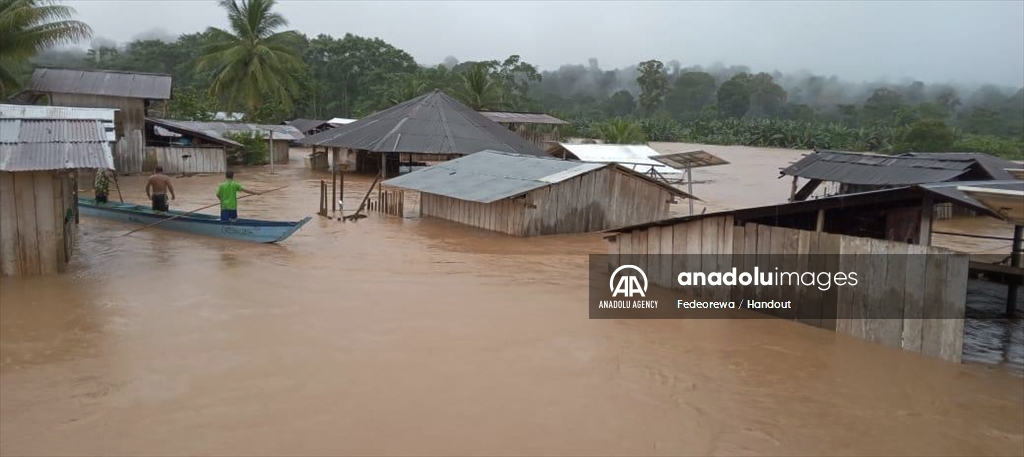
505, 216
600, 200
916, 300
130, 124
33, 228
200, 160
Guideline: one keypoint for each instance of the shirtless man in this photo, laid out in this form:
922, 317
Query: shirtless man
156, 189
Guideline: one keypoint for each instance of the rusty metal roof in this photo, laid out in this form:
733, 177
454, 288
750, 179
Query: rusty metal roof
305, 125
433, 123
879, 170
164, 127
507, 117
944, 192
53, 144
490, 176
100, 82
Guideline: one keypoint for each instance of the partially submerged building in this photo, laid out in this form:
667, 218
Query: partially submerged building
129, 93
523, 195
913, 295
636, 157
180, 148
853, 172
279, 137
539, 128
42, 149
430, 128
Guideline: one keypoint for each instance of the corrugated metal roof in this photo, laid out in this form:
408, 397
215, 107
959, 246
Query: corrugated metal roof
636, 157
97, 82
53, 144
305, 125
943, 192
218, 129
995, 167
54, 112
521, 118
433, 123
341, 121
168, 128
490, 176
877, 170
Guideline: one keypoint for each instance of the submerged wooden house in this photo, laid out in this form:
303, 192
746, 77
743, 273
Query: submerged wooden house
217, 134
130, 94
913, 294
524, 195
42, 149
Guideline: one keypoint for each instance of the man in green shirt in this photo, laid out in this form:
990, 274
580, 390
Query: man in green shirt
227, 193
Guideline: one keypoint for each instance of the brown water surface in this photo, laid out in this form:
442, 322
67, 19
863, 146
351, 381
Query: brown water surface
413, 336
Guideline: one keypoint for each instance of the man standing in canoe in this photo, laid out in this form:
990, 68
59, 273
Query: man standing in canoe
156, 189
227, 193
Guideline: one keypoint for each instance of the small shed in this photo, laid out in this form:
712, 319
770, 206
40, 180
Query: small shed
859, 172
128, 92
42, 148
539, 128
181, 149
525, 195
280, 136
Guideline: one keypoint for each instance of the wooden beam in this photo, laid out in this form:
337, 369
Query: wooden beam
820, 225
924, 236
806, 191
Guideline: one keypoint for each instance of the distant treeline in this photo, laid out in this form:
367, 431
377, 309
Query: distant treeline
354, 76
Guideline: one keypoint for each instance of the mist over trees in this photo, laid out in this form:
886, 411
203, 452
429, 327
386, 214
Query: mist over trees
354, 76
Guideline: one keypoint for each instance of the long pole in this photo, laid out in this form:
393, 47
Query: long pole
689, 184
117, 185
1016, 251
197, 209
271, 152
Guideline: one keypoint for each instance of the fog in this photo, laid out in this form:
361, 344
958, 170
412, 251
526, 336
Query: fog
967, 43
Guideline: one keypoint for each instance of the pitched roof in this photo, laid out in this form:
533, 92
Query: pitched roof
995, 167
433, 123
305, 125
37, 138
490, 176
100, 82
165, 127
943, 192
219, 129
883, 170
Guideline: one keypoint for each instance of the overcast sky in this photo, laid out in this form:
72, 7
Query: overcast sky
947, 41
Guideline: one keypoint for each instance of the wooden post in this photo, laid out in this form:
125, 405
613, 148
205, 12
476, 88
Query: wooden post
924, 236
341, 190
271, 151
334, 187
792, 190
689, 184
820, 226
1016, 251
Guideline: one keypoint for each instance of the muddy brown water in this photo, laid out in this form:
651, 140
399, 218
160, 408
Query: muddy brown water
415, 336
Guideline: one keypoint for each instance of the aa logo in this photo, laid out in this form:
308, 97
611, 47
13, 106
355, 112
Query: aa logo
628, 284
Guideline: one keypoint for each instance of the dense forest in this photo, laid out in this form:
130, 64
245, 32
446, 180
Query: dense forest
323, 76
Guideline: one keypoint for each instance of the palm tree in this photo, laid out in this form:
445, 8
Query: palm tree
27, 27
252, 61
621, 131
407, 87
479, 90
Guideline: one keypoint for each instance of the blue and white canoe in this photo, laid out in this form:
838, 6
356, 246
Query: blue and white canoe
201, 224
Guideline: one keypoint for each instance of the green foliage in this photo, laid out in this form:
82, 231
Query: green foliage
253, 60
620, 131
653, 85
254, 150
1008, 148
691, 93
661, 129
928, 135
478, 89
620, 104
734, 96
191, 105
27, 27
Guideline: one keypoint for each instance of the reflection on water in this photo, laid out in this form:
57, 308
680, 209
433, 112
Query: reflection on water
989, 337
416, 336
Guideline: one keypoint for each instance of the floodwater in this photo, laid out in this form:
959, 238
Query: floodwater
413, 336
